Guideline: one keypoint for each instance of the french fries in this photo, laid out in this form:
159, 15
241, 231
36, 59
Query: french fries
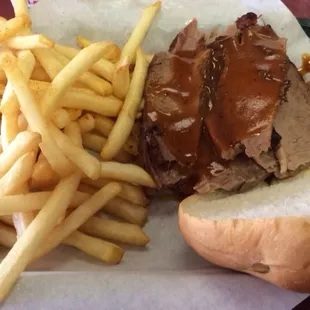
138, 34
34, 202
13, 26
69, 74
127, 211
103, 67
114, 230
95, 143
103, 250
22, 252
126, 118
113, 54
79, 216
31, 111
81, 158
58, 103
95, 247
129, 192
94, 82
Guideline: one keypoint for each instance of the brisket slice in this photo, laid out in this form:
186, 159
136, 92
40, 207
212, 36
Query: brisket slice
292, 123
215, 120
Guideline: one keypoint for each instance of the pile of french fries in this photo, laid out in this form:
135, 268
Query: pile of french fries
69, 139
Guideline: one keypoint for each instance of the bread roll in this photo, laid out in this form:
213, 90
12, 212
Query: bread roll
264, 232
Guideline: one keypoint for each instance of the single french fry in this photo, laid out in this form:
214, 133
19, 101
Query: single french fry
114, 230
80, 157
79, 216
77, 98
73, 131
26, 63
19, 173
40, 74
51, 65
103, 67
31, 240
126, 172
69, 75
61, 118
136, 38
20, 8
127, 211
32, 113
94, 82
104, 125
103, 250
131, 193
24, 142
86, 123
113, 54
12, 26
121, 79
34, 202
95, 143
108, 106
43, 174
126, 119
29, 42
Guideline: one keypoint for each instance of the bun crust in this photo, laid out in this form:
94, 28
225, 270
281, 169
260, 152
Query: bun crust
274, 249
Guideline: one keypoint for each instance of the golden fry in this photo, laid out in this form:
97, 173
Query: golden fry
115, 230
103, 250
126, 119
95, 143
127, 211
126, 172
136, 38
29, 42
113, 54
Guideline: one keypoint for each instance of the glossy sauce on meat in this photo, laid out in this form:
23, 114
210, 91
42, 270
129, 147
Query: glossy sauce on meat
244, 96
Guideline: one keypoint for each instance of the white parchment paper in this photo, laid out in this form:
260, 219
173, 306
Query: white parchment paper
166, 275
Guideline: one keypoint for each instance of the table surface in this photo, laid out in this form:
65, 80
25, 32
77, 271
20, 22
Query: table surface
300, 8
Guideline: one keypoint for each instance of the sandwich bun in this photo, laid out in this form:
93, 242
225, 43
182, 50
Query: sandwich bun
264, 232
